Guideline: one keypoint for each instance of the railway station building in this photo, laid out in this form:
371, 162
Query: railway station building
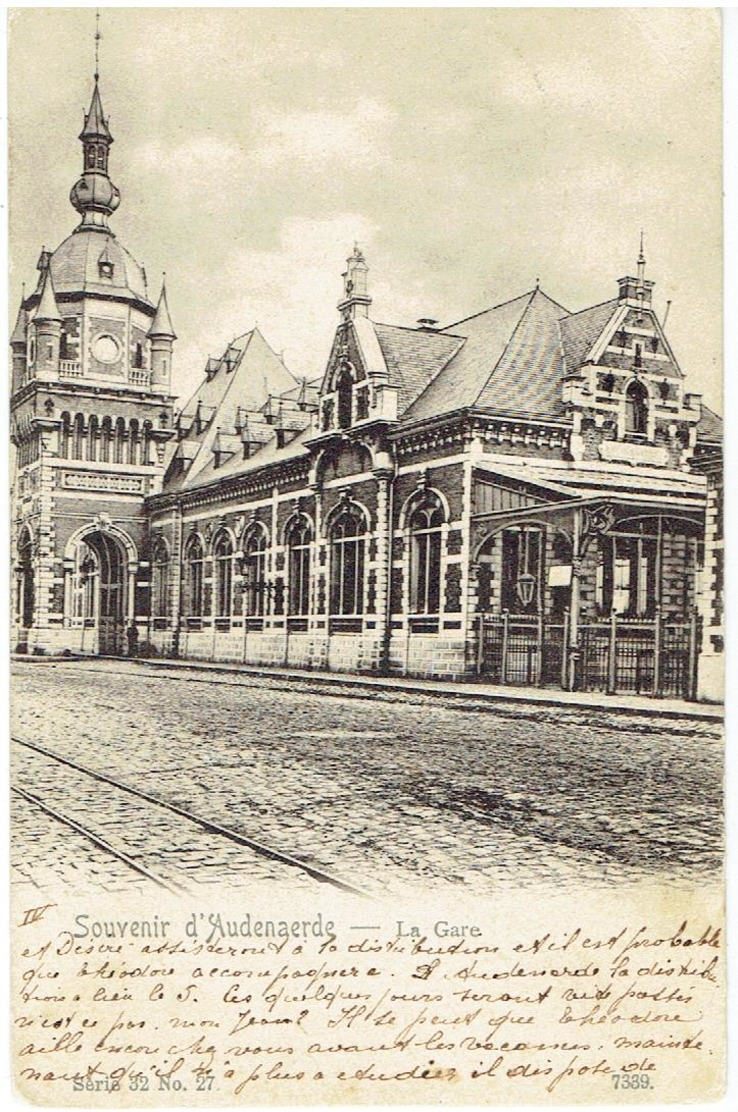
529, 496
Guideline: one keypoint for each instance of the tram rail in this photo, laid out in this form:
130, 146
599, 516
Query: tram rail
207, 825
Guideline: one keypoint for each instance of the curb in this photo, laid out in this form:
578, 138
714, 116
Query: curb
491, 697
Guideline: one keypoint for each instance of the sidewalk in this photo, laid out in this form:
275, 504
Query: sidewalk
479, 692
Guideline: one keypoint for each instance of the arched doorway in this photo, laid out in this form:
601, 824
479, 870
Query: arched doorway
98, 595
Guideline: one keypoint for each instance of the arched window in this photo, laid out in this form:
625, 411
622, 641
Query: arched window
425, 556
65, 436
120, 435
344, 388
160, 573
636, 409
93, 436
254, 573
146, 443
522, 566
347, 562
134, 443
78, 440
106, 436
223, 558
298, 545
193, 594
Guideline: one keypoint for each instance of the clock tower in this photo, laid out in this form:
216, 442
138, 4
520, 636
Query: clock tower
91, 416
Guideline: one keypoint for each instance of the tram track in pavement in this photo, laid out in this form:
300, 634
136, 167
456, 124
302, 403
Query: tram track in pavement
135, 826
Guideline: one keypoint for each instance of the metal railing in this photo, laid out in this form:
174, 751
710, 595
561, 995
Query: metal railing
643, 656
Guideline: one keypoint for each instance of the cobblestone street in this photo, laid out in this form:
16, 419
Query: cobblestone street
390, 790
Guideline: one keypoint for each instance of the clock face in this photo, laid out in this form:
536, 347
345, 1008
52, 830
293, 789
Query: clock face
106, 349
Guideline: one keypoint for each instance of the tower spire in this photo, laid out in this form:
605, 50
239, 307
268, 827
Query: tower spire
161, 325
94, 195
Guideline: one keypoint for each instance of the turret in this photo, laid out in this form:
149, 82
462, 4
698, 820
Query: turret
46, 326
162, 337
355, 301
18, 344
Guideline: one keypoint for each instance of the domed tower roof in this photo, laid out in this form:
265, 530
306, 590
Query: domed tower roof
90, 262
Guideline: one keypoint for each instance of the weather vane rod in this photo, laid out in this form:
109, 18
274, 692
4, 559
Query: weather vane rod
97, 45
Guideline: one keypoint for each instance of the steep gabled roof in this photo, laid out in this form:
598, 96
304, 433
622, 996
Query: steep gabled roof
579, 331
245, 377
510, 360
413, 358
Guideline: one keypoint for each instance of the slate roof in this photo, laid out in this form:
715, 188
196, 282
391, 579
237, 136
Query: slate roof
510, 360
239, 385
710, 427
579, 331
413, 358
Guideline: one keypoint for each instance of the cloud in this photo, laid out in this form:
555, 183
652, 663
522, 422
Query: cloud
289, 290
309, 140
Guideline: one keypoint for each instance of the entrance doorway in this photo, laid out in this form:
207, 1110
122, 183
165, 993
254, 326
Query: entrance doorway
98, 597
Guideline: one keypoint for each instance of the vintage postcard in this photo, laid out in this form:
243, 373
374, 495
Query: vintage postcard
367, 556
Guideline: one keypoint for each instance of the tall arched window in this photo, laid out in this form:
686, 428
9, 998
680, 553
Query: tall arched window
344, 388
223, 560
347, 562
133, 443
106, 437
193, 594
160, 573
146, 443
298, 545
254, 573
93, 437
120, 435
425, 556
636, 409
78, 439
65, 436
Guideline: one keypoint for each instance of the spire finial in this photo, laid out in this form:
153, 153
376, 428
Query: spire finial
98, 36
641, 260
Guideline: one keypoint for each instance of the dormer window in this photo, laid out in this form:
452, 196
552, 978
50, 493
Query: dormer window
105, 268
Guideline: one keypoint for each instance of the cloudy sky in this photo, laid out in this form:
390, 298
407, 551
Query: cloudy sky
468, 151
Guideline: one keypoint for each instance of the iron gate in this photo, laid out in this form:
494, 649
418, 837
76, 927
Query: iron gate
655, 657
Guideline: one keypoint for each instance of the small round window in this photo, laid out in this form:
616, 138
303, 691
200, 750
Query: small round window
106, 348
